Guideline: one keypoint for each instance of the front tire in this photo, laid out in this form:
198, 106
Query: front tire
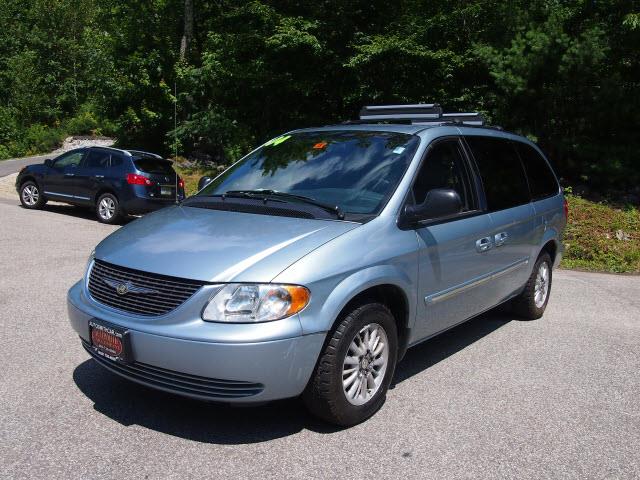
532, 302
108, 209
353, 373
30, 196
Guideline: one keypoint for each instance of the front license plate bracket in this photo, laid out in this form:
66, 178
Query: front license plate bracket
110, 341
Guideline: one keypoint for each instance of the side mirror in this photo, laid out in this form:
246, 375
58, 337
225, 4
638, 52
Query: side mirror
48, 162
203, 182
440, 202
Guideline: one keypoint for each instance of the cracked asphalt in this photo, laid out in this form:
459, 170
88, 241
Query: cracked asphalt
556, 398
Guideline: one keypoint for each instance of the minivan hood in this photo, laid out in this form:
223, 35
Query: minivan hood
216, 246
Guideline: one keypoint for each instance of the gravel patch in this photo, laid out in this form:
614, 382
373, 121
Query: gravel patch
78, 142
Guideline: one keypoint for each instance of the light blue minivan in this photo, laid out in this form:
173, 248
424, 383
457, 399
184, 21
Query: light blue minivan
309, 266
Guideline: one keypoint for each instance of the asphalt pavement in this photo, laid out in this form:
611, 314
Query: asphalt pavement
496, 397
14, 165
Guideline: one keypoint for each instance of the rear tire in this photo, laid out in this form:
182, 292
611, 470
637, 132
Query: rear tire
108, 209
346, 391
31, 197
532, 302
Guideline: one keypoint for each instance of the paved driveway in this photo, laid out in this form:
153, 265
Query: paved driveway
13, 166
494, 398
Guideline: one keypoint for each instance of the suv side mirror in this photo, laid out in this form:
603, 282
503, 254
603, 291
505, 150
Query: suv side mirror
440, 202
48, 162
203, 182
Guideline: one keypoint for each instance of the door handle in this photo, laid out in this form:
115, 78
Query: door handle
69, 174
483, 244
99, 176
500, 238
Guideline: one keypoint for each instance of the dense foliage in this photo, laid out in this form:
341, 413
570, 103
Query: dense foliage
565, 73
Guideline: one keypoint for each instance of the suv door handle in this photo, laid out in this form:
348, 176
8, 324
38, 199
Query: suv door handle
500, 238
483, 244
69, 174
99, 176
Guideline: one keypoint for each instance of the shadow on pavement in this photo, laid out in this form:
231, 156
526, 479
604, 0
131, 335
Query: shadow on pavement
87, 213
132, 404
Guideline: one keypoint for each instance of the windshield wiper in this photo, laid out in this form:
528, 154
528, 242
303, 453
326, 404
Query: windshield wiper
283, 195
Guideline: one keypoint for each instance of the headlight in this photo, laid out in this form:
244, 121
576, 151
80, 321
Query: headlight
242, 303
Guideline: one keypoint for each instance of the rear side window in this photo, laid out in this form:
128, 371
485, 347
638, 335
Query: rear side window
152, 165
542, 182
97, 159
503, 178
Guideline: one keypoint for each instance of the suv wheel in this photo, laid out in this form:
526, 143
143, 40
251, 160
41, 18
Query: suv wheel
355, 368
532, 302
108, 209
30, 195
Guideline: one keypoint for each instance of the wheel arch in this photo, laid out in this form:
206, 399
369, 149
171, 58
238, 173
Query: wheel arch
101, 191
29, 177
385, 284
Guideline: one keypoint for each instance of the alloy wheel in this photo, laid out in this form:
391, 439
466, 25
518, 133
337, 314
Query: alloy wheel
542, 285
107, 208
365, 364
30, 195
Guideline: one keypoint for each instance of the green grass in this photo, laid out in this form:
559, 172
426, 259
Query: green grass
602, 237
191, 176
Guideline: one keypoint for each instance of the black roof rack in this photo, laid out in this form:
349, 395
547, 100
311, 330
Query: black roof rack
418, 114
421, 111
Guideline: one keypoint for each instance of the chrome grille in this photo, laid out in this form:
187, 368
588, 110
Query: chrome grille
148, 293
180, 383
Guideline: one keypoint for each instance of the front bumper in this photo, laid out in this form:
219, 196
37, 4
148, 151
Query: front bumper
228, 369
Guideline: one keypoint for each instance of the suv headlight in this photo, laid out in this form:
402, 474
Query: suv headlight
244, 303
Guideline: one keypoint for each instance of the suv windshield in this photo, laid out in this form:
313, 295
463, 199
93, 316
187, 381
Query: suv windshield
354, 170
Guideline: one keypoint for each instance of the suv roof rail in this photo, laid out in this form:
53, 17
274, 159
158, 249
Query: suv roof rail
418, 114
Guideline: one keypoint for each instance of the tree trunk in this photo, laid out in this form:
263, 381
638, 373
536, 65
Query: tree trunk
187, 36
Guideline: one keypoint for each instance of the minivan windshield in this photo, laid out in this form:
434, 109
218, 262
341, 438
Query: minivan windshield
354, 170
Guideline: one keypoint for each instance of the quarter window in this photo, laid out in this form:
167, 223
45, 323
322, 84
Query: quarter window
97, 159
444, 167
542, 181
504, 181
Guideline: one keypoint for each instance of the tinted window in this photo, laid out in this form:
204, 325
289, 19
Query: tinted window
153, 165
116, 160
505, 184
356, 170
542, 182
69, 159
444, 167
97, 159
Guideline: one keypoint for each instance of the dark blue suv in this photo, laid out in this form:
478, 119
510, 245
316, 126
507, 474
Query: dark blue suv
115, 182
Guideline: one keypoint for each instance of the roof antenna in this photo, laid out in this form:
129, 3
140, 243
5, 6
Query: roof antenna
175, 128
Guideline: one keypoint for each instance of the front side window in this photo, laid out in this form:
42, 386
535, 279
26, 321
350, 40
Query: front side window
503, 179
542, 181
444, 167
354, 170
97, 159
69, 159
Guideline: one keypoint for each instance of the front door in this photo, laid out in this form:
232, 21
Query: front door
60, 183
455, 260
